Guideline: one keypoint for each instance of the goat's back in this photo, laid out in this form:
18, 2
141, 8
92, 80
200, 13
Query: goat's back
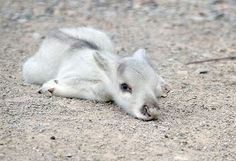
57, 47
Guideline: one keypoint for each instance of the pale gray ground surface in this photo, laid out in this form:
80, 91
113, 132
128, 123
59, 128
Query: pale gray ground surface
197, 120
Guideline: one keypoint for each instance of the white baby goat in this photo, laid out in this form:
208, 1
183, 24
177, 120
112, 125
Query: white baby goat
79, 62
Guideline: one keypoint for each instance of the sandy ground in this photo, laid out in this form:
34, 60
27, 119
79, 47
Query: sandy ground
197, 120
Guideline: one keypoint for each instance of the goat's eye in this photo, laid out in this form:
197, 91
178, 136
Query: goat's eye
125, 88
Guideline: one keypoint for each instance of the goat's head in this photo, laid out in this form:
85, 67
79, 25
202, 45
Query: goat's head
134, 84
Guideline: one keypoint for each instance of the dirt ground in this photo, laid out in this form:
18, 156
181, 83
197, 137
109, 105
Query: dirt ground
197, 121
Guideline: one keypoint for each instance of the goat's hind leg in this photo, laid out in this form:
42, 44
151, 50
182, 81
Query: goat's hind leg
68, 88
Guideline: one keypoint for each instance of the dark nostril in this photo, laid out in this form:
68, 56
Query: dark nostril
145, 110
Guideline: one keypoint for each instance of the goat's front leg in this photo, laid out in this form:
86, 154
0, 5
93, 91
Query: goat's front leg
84, 89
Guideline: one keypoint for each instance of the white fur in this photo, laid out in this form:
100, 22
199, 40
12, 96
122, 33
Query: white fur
95, 74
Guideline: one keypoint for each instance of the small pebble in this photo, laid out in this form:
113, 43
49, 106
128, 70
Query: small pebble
202, 71
22, 20
53, 138
180, 72
181, 158
2, 155
36, 36
69, 155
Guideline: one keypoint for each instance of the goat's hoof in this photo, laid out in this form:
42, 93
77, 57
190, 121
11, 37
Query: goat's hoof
165, 90
46, 91
51, 90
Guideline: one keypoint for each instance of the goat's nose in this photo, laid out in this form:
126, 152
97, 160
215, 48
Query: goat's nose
145, 110
149, 109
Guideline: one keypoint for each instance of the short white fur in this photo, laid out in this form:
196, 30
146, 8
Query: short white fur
80, 63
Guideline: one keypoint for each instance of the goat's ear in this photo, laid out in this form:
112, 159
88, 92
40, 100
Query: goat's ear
102, 61
165, 89
140, 54
162, 88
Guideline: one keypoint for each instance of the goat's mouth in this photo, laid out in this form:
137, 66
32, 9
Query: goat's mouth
149, 116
